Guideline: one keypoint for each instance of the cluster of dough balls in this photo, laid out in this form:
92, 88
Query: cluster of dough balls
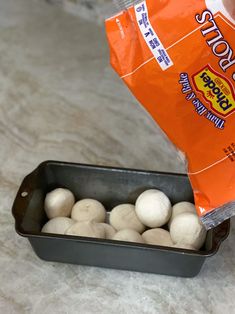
85, 217
145, 222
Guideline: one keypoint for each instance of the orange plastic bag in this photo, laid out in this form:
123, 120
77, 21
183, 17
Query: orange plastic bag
178, 59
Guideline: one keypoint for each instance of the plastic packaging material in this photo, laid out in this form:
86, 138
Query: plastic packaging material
178, 59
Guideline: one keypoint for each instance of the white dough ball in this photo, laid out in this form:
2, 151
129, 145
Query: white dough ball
59, 203
87, 229
58, 225
88, 209
157, 236
184, 246
124, 217
153, 208
128, 235
109, 231
181, 207
186, 228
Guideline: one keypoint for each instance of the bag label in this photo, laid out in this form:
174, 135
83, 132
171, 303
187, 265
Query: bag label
220, 47
216, 90
200, 108
150, 37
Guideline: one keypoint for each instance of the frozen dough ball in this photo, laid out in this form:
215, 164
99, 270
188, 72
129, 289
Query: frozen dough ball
157, 236
58, 225
153, 208
229, 7
109, 231
128, 235
184, 246
179, 208
59, 203
87, 210
124, 217
87, 229
186, 228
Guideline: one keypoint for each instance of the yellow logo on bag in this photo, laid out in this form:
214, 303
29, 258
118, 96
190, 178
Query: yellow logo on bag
216, 90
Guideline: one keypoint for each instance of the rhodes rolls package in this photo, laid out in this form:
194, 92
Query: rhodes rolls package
178, 59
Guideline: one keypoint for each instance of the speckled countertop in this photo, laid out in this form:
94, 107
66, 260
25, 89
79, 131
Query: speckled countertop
59, 99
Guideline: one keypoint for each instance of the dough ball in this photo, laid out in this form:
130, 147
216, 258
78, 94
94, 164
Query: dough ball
184, 246
128, 235
186, 228
87, 229
179, 208
157, 236
229, 7
58, 225
59, 203
108, 230
153, 208
124, 217
87, 210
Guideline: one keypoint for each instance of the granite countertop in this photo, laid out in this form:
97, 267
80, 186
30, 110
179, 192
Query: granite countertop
60, 99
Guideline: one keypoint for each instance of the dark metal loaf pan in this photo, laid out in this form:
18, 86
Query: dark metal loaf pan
111, 186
